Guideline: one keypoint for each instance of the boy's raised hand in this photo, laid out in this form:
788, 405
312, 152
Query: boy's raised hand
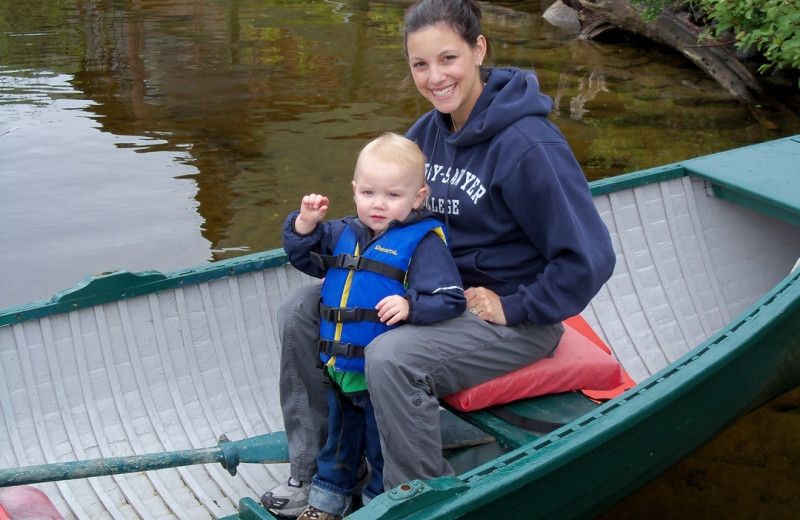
313, 208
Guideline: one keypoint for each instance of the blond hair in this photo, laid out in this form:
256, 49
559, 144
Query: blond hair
396, 149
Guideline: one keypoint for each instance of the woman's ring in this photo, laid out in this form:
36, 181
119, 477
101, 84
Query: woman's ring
473, 311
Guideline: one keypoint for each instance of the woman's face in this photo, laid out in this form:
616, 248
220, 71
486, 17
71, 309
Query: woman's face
446, 70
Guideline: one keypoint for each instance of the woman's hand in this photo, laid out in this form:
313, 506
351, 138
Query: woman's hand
392, 309
313, 208
485, 304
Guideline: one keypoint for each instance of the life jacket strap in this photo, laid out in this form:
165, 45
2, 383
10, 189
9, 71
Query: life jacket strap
345, 314
338, 348
348, 261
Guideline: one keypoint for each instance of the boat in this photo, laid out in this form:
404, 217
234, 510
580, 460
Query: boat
152, 395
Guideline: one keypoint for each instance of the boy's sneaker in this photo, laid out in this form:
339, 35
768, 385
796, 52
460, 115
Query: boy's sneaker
287, 500
312, 513
290, 500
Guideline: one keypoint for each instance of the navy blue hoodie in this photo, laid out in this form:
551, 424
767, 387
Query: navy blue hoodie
515, 202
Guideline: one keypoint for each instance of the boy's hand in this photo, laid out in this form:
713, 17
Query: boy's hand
313, 208
392, 309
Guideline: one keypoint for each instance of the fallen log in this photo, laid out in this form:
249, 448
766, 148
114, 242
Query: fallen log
675, 30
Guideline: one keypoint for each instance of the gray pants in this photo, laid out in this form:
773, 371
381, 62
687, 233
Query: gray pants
407, 370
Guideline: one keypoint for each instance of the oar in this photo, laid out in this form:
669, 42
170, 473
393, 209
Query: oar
269, 448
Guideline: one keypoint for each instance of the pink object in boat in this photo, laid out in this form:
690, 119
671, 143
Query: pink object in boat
26, 503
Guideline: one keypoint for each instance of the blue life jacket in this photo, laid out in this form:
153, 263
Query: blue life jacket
354, 283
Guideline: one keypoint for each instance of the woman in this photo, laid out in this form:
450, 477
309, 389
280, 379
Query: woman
526, 237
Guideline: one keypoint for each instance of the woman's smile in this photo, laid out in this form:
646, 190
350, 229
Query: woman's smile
444, 93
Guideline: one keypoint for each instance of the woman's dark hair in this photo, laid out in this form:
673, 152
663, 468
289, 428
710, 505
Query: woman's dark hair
463, 16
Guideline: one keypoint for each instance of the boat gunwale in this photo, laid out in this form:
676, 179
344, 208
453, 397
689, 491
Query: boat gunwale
83, 295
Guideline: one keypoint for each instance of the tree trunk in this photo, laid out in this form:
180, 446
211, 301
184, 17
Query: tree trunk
673, 30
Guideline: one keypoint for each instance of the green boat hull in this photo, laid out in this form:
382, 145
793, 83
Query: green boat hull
705, 345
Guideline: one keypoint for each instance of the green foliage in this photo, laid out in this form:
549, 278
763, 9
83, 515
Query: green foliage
653, 8
772, 27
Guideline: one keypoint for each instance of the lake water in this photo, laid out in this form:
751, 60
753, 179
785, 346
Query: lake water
159, 135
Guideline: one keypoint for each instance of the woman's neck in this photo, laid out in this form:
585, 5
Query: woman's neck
456, 126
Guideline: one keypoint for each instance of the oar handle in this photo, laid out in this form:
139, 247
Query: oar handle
269, 448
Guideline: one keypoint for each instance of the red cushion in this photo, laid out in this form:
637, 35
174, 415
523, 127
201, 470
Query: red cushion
581, 362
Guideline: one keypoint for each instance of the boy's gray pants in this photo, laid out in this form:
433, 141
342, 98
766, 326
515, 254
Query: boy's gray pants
407, 369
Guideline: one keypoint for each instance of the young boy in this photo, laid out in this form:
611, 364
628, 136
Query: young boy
388, 265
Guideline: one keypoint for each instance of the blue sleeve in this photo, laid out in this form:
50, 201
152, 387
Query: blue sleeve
298, 247
435, 292
559, 217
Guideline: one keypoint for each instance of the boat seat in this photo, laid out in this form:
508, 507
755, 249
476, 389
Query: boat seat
472, 439
520, 422
762, 177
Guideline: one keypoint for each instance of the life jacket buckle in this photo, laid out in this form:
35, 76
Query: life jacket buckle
348, 261
337, 348
347, 314
344, 314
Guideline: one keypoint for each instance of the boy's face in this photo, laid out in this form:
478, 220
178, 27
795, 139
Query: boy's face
385, 191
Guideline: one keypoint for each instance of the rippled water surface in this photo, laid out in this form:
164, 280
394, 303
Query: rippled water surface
164, 134
145, 134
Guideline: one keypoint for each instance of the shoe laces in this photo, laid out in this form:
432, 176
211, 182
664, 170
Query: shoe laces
312, 513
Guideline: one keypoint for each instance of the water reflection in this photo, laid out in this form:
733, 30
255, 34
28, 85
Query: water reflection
75, 200
163, 134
